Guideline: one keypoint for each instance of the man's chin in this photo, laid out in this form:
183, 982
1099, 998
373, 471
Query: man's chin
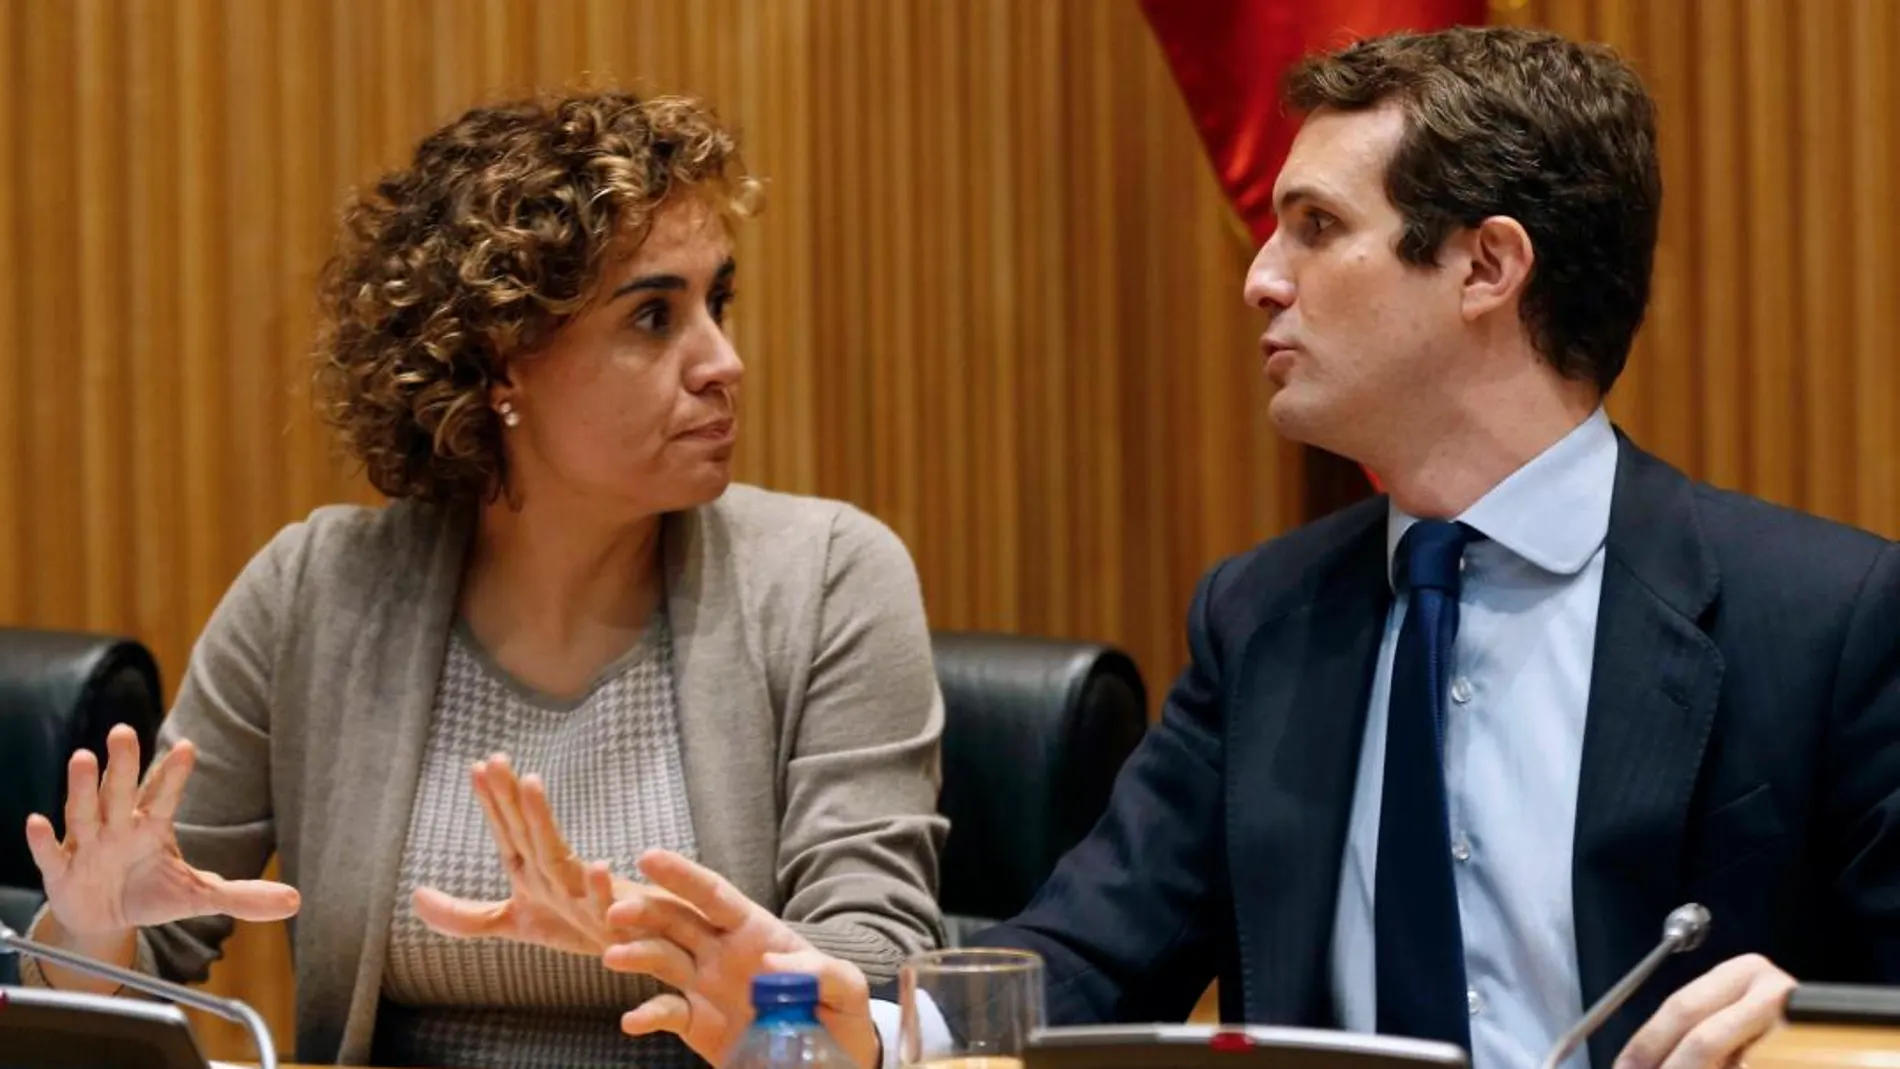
1296, 415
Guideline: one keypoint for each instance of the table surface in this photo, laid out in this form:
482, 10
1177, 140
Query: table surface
1817, 1046
1797, 1046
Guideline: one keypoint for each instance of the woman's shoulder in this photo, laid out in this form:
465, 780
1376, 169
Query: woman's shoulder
764, 526
340, 546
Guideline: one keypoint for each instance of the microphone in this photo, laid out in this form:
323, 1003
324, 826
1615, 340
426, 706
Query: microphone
1683, 930
229, 1009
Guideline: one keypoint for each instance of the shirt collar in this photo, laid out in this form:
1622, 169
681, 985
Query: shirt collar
1553, 512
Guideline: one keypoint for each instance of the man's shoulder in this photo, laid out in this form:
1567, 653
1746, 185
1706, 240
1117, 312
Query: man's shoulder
1765, 562
1284, 572
1762, 547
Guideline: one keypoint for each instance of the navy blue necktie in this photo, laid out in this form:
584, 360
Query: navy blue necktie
1418, 942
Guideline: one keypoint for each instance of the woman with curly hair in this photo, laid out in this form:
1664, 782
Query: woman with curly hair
525, 346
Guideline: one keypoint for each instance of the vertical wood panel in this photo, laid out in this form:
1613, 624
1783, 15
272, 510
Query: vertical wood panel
15, 537
1093, 269
994, 298
306, 172
1668, 358
1767, 360
1039, 359
558, 55
50, 400
99, 435
247, 438
894, 248
1818, 332
1717, 193
203, 466
1873, 162
936, 321
1770, 249
1143, 283
152, 338
947, 316
1620, 25
996, 294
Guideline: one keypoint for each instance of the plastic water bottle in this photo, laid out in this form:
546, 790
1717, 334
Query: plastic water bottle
785, 1032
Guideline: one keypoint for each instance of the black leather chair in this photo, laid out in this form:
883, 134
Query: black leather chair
59, 691
1035, 732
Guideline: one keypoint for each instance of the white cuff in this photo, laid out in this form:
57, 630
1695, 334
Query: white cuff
886, 1018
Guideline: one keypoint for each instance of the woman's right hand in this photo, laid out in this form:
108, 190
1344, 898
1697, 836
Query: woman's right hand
707, 940
119, 868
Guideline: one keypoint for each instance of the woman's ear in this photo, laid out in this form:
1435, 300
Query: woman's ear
501, 398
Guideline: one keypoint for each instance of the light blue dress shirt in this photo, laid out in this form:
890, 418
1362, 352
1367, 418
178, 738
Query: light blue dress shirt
1513, 753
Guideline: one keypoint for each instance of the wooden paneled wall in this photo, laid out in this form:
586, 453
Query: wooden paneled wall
1770, 360
994, 297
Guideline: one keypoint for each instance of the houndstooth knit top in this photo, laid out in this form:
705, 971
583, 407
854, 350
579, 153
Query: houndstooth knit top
611, 762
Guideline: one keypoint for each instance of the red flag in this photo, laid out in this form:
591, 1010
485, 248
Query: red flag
1228, 57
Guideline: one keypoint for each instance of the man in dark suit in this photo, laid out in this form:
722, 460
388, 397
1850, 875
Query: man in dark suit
1442, 762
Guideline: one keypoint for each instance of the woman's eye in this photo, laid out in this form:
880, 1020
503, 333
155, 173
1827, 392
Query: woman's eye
654, 317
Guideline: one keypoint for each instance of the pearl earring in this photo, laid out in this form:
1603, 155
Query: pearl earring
509, 417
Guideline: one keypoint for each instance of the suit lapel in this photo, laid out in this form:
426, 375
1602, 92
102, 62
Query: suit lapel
1653, 691
1298, 713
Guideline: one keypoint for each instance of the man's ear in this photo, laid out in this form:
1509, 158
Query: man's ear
1498, 262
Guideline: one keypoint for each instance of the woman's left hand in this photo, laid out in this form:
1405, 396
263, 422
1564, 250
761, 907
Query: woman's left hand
556, 900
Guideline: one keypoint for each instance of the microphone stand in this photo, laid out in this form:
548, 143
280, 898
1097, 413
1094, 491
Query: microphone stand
1683, 930
229, 1009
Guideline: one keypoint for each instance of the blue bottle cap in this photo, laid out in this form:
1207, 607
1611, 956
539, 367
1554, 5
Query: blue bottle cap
774, 990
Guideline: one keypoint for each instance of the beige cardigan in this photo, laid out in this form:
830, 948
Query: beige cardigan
809, 709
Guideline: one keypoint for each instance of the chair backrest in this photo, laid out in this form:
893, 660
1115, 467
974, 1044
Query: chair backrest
1035, 732
60, 691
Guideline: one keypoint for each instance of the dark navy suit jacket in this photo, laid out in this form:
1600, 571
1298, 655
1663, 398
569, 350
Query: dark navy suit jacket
1742, 750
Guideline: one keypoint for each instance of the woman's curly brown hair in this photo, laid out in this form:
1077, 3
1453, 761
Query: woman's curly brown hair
492, 237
